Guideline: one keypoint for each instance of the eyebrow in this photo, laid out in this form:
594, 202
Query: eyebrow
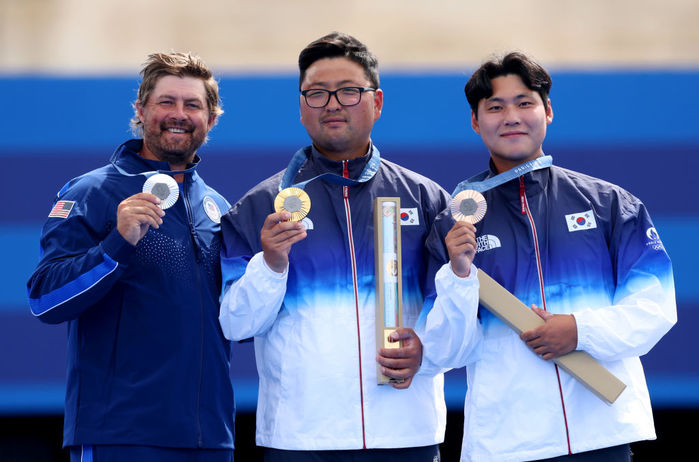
340, 84
185, 99
502, 100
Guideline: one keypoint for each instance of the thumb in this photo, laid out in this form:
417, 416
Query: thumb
401, 334
545, 315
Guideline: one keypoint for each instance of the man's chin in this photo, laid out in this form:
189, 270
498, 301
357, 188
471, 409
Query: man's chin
177, 157
175, 153
179, 153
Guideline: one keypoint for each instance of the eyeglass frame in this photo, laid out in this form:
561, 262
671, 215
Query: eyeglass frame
330, 94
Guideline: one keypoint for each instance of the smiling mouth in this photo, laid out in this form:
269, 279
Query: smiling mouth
176, 130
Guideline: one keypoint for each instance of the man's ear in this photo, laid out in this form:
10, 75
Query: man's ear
474, 123
139, 110
378, 103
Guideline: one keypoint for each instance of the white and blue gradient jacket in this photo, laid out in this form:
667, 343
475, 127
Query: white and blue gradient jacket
147, 363
314, 326
568, 243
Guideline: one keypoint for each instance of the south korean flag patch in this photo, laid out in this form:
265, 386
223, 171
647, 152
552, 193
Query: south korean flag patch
409, 217
581, 221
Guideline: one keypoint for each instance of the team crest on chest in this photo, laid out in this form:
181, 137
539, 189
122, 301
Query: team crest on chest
211, 209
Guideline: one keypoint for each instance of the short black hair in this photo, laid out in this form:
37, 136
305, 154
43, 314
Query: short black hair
339, 45
533, 76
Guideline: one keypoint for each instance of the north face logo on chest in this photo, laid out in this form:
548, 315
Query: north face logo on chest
487, 242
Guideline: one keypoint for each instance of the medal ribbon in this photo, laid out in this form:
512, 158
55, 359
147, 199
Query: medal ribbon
300, 157
169, 200
115, 156
504, 177
153, 172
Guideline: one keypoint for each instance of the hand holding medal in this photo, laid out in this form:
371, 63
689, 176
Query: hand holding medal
468, 207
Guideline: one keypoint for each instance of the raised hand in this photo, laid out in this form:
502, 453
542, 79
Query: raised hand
277, 236
461, 245
136, 214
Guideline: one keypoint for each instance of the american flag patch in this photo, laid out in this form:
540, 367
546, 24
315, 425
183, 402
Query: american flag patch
62, 209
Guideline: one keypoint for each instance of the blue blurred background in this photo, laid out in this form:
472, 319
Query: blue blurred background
605, 124
625, 109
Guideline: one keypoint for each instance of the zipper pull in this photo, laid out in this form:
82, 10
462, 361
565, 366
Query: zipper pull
345, 173
522, 196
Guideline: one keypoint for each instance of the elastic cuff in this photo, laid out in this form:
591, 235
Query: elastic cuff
583, 340
260, 256
117, 247
473, 274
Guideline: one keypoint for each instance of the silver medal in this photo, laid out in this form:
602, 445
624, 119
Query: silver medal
164, 187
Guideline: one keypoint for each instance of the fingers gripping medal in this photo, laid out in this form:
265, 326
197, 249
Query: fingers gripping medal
164, 187
469, 206
294, 201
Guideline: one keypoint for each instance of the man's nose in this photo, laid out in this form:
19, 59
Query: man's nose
333, 103
511, 116
178, 111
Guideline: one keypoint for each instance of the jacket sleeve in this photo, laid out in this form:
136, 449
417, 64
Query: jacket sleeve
452, 331
446, 343
250, 303
81, 260
644, 307
252, 293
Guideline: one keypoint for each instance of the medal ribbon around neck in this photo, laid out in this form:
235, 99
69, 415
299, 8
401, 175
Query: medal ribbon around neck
468, 204
295, 200
160, 183
504, 177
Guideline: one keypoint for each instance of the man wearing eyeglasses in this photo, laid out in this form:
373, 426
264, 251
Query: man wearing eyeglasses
304, 288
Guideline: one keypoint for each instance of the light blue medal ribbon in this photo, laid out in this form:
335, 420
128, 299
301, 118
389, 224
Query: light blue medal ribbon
153, 172
165, 187
300, 157
490, 183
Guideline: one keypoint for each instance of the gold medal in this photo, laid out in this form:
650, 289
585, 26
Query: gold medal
294, 201
469, 206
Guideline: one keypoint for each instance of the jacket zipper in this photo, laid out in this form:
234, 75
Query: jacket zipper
345, 196
197, 253
525, 211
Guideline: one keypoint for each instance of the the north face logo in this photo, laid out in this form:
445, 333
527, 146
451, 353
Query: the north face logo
487, 242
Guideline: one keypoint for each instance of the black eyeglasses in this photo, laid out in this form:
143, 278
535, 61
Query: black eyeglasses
346, 96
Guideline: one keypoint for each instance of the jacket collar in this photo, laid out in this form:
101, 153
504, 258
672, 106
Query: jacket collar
534, 182
322, 164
